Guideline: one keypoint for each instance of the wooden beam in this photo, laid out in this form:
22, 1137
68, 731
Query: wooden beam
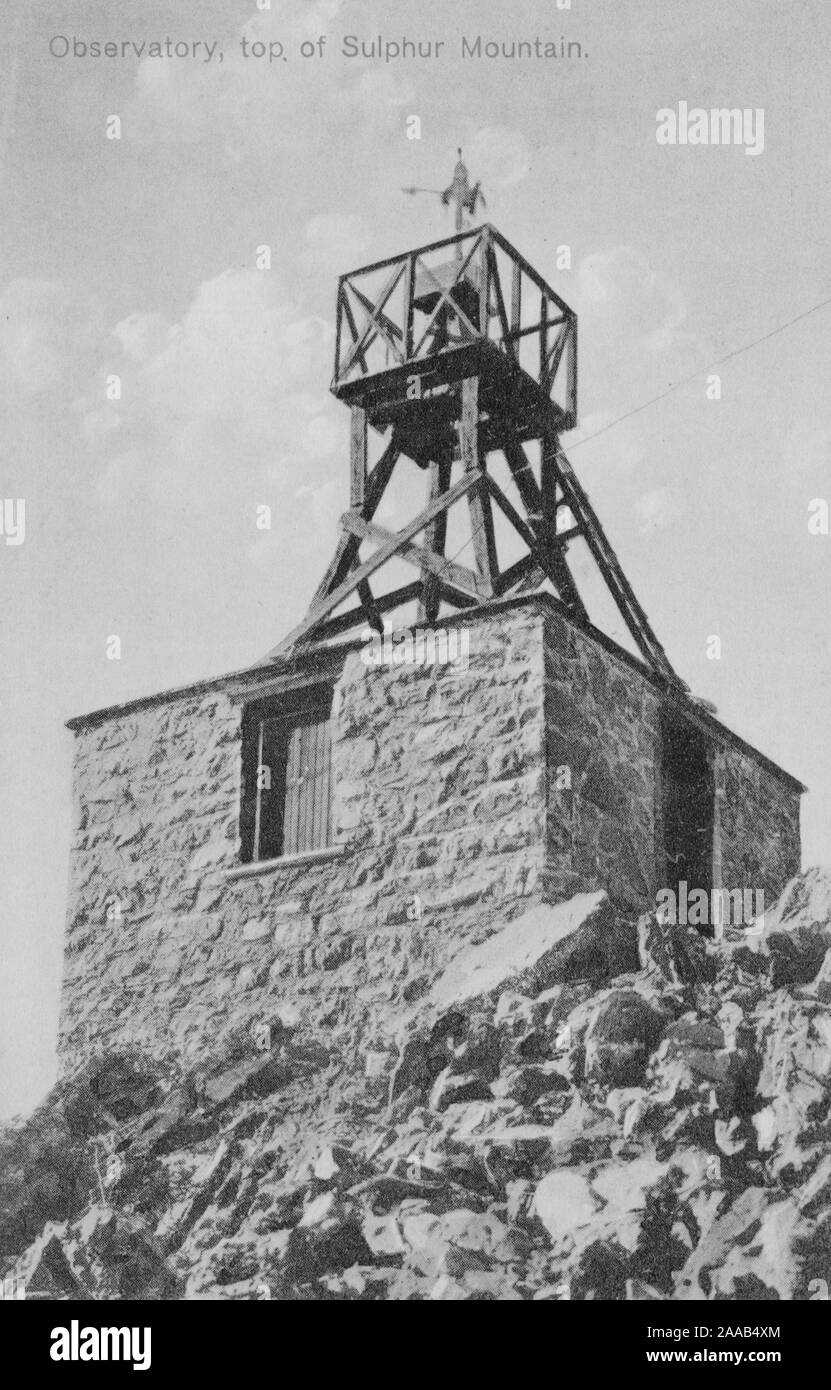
549, 554
444, 298
609, 566
369, 606
353, 329
389, 329
373, 326
500, 306
358, 442
347, 547
336, 596
512, 514
554, 359
549, 477
528, 270
456, 597
435, 538
572, 371
333, 627
516, 297
481, 519
422, 556
520, 570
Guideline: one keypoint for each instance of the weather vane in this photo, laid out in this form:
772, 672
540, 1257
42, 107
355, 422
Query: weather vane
461, 193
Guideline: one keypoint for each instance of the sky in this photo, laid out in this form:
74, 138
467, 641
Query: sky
137, 257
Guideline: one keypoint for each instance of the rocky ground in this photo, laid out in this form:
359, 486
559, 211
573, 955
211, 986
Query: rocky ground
579, 1108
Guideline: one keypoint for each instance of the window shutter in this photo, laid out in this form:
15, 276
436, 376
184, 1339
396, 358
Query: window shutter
306, 822
293, 814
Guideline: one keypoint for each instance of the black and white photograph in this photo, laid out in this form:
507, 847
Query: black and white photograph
416, 603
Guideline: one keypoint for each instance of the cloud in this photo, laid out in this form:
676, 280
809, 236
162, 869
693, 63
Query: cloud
620, 288
50, 337
335, 241
634, 341
218, 406
239, 103
498, 156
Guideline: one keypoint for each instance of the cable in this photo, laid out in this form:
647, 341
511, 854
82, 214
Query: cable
676, 386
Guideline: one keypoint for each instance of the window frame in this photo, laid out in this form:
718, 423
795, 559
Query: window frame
291, 714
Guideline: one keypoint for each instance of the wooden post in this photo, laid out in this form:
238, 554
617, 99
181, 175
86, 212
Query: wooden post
548, 482
516, 299
479, 503
572, 373
484, 283
358, 453
434, 537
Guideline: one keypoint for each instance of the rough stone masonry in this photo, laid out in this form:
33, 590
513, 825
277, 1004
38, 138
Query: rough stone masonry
451, 812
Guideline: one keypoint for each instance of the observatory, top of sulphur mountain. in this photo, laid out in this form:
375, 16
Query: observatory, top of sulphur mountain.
256, 834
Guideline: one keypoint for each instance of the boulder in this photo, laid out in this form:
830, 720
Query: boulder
531, 953
564, 1202
527, 1085
675, 954
328, 1237
751, 1252
620, 1038
796, 930
450, 1089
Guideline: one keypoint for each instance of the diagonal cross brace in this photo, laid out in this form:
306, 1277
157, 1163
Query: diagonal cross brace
324, 606
421, 556
609, 566
372, 328
549, 553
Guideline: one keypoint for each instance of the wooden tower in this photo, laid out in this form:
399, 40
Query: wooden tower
456, 352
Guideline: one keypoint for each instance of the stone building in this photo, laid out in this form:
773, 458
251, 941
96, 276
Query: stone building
320, 833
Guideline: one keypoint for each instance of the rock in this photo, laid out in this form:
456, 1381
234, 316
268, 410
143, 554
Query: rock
676, 954
622, 1034
328, 1237
207, 1179
794, 1043
564, 1202
696, 1033
450, 1089
655, 1136
821, 984
459, 1241
45, 1269
601, 1272
256, 930
383, 1237
797, 930
251, 1076
751, 1252
115, 1256
526, 1085
530, 954
336, 1166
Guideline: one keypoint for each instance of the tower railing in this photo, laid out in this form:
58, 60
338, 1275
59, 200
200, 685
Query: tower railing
469, 296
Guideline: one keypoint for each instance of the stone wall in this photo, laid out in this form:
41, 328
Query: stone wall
758, 815
603, 726
438, 793
444, 789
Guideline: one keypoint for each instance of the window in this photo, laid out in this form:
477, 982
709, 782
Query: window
286, 782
